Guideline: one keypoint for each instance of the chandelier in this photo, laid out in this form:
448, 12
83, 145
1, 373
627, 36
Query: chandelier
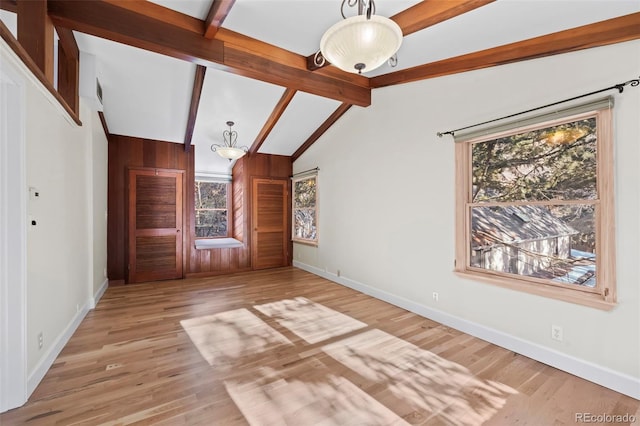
229, 150
362, 42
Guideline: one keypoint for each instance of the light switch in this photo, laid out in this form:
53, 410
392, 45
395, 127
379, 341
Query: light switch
34, 194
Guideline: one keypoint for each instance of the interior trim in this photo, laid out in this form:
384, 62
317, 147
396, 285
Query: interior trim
603, 376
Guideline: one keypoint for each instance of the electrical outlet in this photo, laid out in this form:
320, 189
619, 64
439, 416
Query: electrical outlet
556, 332
435, 296
40, 340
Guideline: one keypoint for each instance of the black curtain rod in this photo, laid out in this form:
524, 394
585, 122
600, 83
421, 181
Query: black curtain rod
317, 169
619, 87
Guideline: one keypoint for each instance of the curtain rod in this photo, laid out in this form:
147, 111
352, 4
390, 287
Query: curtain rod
317, 169
619, 87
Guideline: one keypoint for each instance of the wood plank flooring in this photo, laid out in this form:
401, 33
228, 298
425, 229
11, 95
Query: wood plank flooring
284, 346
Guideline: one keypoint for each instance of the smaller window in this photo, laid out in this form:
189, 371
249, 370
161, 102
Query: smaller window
535, 206
212, 209
305, 209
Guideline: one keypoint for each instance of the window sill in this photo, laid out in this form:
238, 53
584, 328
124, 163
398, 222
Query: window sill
592, 300
218, 243
306, 243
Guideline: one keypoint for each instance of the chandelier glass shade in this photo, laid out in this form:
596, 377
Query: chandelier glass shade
361, 43
229, 150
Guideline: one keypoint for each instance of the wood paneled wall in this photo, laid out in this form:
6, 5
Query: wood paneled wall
125, 152
224, 261
238, 200
266, 166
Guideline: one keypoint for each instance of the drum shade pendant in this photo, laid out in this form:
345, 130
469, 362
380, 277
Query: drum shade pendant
229, 150
360, 43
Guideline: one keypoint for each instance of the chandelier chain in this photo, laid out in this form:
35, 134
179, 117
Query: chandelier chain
370, 9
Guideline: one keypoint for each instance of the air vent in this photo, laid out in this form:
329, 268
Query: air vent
99, 91
90, 87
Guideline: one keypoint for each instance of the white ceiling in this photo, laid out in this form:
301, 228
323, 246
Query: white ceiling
148, 95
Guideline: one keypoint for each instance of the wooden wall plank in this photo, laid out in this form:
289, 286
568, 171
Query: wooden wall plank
196, 92
277, 112
616, 30
125, 152
335, 116
35, 34
11, 41
68, 68
430, 12
113, 21
216, 16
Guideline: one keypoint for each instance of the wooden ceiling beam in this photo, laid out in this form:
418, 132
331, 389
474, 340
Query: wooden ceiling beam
68, 42
9, 5
68, 68
274, 53
107, 19
35, 34
15, 46
420, 16
103, 120
161, 13
198, 82
131, 25
277, 112
216, 16
321, 130
616, 30
431, 12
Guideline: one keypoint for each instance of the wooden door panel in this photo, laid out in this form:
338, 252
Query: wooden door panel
155, 225
155, 202
270, 250
270, 242
270, 207
155, 253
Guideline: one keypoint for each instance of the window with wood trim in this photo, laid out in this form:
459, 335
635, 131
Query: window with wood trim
212, 202
535, 208
305, 209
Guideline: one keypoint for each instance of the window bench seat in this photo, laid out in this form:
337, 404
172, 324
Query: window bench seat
216, 243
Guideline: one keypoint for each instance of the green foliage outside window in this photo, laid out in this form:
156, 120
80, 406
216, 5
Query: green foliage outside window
532, 196
304, 209
211, 209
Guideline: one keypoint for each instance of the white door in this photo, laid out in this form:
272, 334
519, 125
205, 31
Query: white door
13, 239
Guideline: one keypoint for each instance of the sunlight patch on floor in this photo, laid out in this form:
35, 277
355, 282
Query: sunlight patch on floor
308, 320
223, 338
271, 399
446, 391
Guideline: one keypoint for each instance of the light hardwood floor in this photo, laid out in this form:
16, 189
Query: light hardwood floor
287, 347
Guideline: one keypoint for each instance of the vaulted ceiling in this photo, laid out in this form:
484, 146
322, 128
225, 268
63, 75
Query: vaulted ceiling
178, 70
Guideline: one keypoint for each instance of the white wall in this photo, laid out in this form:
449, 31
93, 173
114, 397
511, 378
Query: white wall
97, 169
66, 164
386, 188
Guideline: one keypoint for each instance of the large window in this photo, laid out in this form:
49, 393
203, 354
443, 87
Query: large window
535, 208
305, 209
212, 209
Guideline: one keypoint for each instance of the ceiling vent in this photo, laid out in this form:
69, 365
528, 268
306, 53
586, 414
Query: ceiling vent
90, 87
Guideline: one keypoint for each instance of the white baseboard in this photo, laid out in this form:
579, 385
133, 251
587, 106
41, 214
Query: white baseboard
603, 376
38, 373
47, 361
93, 301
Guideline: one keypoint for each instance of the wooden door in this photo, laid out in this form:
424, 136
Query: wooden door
269, 221
155, 224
